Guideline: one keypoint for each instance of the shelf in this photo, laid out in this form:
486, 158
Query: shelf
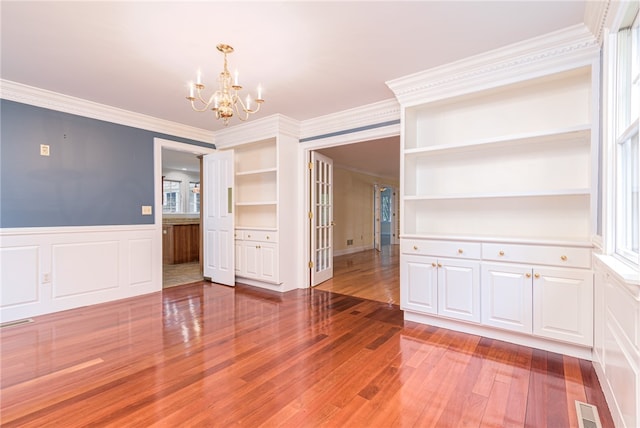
580, 132
543, 193
261, 229
257, 171
255, 204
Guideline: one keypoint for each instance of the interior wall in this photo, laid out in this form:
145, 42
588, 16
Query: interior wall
353, 209
98, 173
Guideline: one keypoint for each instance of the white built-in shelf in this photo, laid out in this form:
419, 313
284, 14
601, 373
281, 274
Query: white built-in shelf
262, 229
541, 193
496, 239
580, 132
257, 171
256, 203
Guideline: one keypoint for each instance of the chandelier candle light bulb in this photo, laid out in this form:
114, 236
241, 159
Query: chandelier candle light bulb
225, 100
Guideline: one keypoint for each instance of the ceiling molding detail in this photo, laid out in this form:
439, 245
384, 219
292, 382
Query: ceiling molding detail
257, 130
555, 52
30, 95
595, 17
359, 117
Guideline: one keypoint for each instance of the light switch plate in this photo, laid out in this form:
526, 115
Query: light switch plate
146, 210
44, 150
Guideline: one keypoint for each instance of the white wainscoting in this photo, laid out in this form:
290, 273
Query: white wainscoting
44, 270
617, 341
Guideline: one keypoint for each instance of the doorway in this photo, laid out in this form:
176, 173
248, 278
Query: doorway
359, 269
177, 207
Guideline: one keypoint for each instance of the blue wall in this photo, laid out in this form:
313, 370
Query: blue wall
98, 173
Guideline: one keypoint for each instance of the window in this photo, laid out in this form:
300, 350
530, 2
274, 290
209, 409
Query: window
627, 155
194, 197
170, 196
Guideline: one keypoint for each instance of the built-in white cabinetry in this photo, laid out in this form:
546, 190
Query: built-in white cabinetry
499, 168
547, 302
257, 255
264, 200
449, 287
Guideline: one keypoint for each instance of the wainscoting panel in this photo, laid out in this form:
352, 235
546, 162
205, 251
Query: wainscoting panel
85, 267
20, 274
47, 270
140, 261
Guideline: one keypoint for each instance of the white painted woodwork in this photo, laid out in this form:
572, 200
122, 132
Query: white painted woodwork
218, 217
507, 299
321, 211
267, 242
420, 274
563, 304
459, 289
499, 171
47, 270
446, 287
257, 251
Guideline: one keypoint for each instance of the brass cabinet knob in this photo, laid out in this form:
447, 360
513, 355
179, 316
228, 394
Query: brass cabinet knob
415, 247
528, 274
434, 264
267, 236
439, 265
537, 275
501, 253
563, 258
460, 251
248, 236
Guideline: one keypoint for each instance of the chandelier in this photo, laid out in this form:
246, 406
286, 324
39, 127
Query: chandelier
225, 100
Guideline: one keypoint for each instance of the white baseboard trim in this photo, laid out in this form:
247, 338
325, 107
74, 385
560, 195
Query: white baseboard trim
352, 250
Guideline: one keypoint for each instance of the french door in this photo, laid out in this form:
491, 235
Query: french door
321, 216
218, 217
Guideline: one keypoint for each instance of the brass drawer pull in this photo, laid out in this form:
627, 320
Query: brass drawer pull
501, 253
563, 258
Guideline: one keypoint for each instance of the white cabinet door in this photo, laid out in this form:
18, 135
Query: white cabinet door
418, 284
506, 297
251, 254
268, 255
563, 305
459, 289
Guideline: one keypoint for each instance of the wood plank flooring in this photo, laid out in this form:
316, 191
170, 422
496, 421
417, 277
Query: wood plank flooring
368, 274
214, 356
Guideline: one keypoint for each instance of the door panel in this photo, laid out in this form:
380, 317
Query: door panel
506, 297
459, 289
218, 217
321, 218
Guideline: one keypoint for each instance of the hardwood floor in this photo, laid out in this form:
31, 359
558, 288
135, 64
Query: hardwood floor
209, 355
368, 274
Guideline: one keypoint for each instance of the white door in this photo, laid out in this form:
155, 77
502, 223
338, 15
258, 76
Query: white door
321, 213
377, 203
218, 218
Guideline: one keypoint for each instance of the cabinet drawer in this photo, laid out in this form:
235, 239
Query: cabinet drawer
538, 254
449, 249
258, 235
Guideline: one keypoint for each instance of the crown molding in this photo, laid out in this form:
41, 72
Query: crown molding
30, 95
370, 114
595, 17
554, 52
257, 130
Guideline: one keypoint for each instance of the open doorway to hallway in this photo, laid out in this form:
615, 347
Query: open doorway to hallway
363, 267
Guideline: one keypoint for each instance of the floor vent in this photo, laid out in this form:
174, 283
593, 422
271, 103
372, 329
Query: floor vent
16, 322
587, 415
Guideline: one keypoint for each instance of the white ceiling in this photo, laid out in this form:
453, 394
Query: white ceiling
312, 58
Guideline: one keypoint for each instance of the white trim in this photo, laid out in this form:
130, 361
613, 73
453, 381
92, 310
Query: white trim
554, 52
257, 130
370, 114
25, 94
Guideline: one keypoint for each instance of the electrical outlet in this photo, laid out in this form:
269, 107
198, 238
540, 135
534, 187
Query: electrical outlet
46, 278
146, 210
44, 150
349, 241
